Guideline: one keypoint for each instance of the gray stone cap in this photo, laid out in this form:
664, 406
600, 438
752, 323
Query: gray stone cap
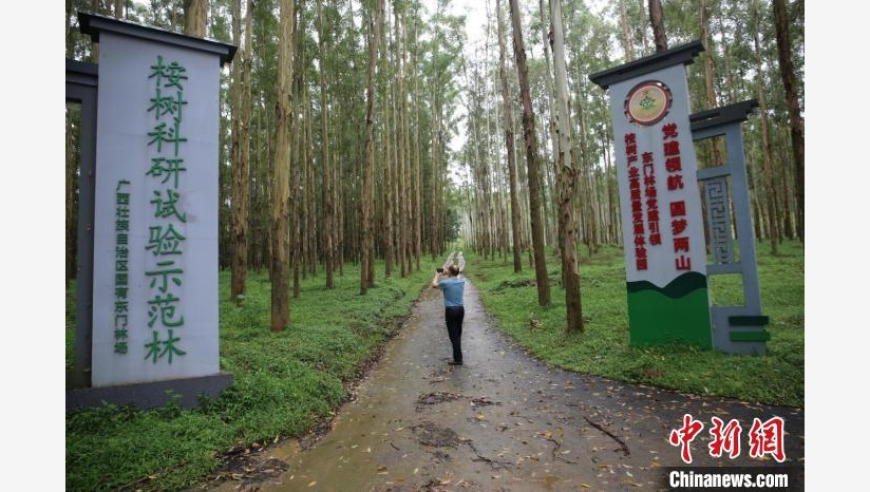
94, 24
684, 54
733, 113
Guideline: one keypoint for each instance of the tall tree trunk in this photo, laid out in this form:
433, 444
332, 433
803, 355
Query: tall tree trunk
752, 177
404, 185
489, 170
119, 9
95, 47
773, 214
239, 213
387, 135
298, 197
404, 190
70, 30
611, 209
729, 74
567, 176
641, 24
788, 230
367, 191
338, 252
405, 135
296, 215
658, 24
256, 194
71, 186
245, 125
403, 160
554, 141
531, 158
584, 169
329, 222
418, 175
300, 152
433, 199
709, 78
485, 168
509, 140
310, 194
477, 165
195, 17
281, 176
796, 123
627, 45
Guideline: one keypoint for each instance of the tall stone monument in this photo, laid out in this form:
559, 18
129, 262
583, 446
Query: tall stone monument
155, 234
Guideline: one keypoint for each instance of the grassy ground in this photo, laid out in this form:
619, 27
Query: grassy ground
603, 349
283, 384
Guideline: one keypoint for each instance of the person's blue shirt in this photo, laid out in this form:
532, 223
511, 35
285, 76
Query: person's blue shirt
452, 288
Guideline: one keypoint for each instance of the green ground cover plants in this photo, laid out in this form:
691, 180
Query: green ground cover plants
283, 384
604, 350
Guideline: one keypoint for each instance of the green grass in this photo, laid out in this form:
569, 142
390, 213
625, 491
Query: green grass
283, 384
603, 348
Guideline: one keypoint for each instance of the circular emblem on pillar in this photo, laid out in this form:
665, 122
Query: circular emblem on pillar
648, 102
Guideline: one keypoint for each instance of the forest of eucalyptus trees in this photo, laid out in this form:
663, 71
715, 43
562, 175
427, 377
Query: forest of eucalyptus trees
746, 43
339, 118
336, 118
753, 50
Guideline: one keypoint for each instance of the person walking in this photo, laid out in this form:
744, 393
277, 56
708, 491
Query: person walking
452, 286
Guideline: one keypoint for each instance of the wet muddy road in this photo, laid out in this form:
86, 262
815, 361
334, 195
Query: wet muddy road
501, 422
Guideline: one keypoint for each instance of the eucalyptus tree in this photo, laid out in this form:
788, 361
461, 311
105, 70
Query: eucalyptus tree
263, 85
241, 136
509, 141
658, 24
300, 151
281, 176
642, 27
477, 158
589, 39
418, 167
404, 134
542, 279
445, 48
389, 179
627, 47
790, 84
72, 163
765, 136
710, 91
367, 269
402, 151
195, 17
327, 181
551, 103
567, 175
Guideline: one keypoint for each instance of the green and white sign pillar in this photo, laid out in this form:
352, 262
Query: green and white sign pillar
155, 277
662, 224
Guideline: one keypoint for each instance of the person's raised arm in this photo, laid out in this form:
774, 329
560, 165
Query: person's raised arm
435, 280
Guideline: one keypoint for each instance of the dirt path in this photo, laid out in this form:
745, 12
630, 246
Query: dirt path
501, 422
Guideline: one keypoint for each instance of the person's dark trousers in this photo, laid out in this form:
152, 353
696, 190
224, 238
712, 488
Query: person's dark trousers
454, 317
